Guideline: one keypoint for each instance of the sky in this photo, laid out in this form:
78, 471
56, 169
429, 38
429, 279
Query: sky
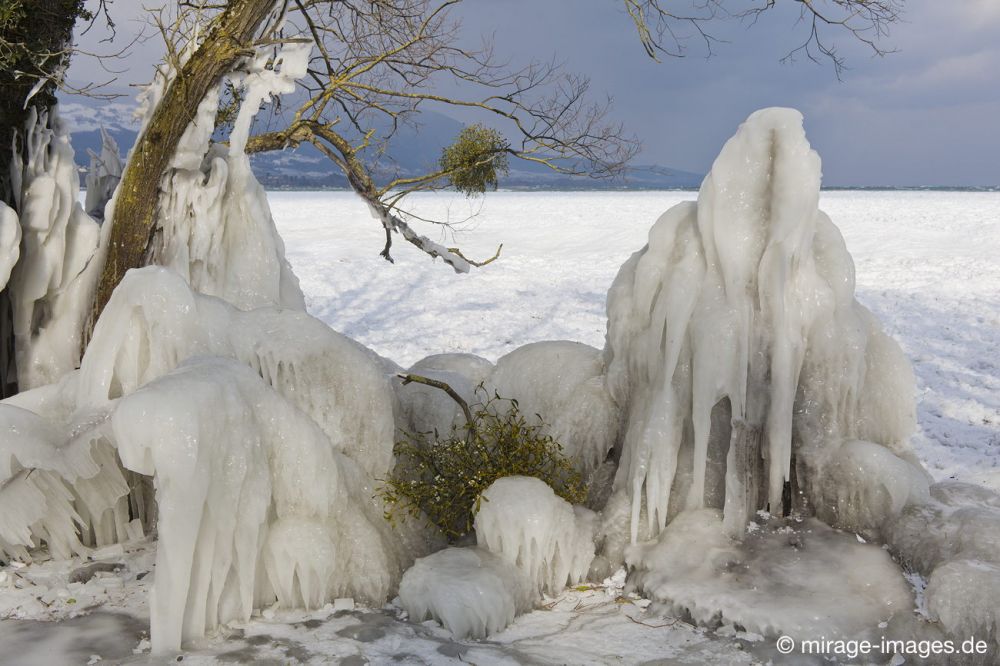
926, 114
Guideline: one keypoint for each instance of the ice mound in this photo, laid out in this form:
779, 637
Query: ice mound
470, 591
953, 540
154, 320
522, 520
801, 579
254, 502
741, 358
425, 409
563, 382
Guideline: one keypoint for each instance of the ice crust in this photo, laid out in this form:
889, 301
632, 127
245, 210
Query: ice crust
523, 521
470, 591
734, 340
801, 579
953, 541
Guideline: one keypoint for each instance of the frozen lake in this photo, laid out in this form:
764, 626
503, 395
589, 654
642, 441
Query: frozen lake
926, 265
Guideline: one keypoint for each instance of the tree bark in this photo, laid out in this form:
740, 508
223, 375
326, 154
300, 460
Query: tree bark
230, 37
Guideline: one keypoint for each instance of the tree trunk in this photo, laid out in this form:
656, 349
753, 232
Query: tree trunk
230, 37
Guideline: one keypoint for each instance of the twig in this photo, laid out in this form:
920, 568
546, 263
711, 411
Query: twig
444, 386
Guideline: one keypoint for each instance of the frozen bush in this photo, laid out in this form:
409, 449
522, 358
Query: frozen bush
444, 476
742, 305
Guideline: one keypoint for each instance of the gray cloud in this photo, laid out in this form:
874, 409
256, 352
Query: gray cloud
925, 115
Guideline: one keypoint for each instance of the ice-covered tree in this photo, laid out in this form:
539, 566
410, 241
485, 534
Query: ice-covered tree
379, 64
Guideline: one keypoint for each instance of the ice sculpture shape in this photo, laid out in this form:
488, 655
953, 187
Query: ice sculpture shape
470, 591
254, 502
52, 283
737, 348
521, 519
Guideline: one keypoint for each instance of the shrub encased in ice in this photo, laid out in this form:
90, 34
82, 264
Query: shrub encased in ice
561, 384
66, 494
742, 304
521, 519
470, 591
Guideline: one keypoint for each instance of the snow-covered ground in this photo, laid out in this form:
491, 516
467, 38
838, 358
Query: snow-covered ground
926, 265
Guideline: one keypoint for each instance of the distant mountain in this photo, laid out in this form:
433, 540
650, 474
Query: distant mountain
414, 150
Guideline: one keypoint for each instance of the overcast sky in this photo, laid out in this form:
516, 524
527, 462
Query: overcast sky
928, 114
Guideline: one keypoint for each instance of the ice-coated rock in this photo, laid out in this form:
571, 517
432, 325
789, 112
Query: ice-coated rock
470, 591
801, 579
563, 383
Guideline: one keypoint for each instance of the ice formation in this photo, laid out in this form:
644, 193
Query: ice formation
953, 540
155, 320
10, 242
741, 357
522, 520
103, 176
264, 432
254, 502
214, 224
425, 409
470, 591
563, 384
801, 579
63, 492
51, 285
